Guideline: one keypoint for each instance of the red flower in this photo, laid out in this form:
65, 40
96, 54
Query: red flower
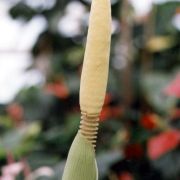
133, 151
16, 112
125, 176
57, 89
163, 143
105, 113
175, 114
116, 111
148, 121
110, 112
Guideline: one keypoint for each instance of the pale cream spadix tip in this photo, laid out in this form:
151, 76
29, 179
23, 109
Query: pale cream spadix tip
96, 60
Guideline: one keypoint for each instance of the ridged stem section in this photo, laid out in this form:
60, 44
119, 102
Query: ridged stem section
89, 127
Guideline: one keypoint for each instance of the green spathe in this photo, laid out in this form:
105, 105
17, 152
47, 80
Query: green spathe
81, 163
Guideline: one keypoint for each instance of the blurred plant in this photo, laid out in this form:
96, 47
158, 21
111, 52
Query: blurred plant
20, 140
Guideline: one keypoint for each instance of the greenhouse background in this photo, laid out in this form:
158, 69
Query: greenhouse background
42, 45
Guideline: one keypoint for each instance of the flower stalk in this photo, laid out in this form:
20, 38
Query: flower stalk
81, 162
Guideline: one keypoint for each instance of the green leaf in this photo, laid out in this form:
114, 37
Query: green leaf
81, 163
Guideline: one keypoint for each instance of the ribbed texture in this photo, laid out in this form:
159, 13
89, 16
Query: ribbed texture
96, 61
81, 164
89, 127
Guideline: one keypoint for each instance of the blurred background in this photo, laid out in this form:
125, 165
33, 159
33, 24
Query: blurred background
42, 45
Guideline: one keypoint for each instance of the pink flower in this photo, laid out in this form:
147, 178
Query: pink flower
163, 143
173, 89
13, 169
7, 177
42, 171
